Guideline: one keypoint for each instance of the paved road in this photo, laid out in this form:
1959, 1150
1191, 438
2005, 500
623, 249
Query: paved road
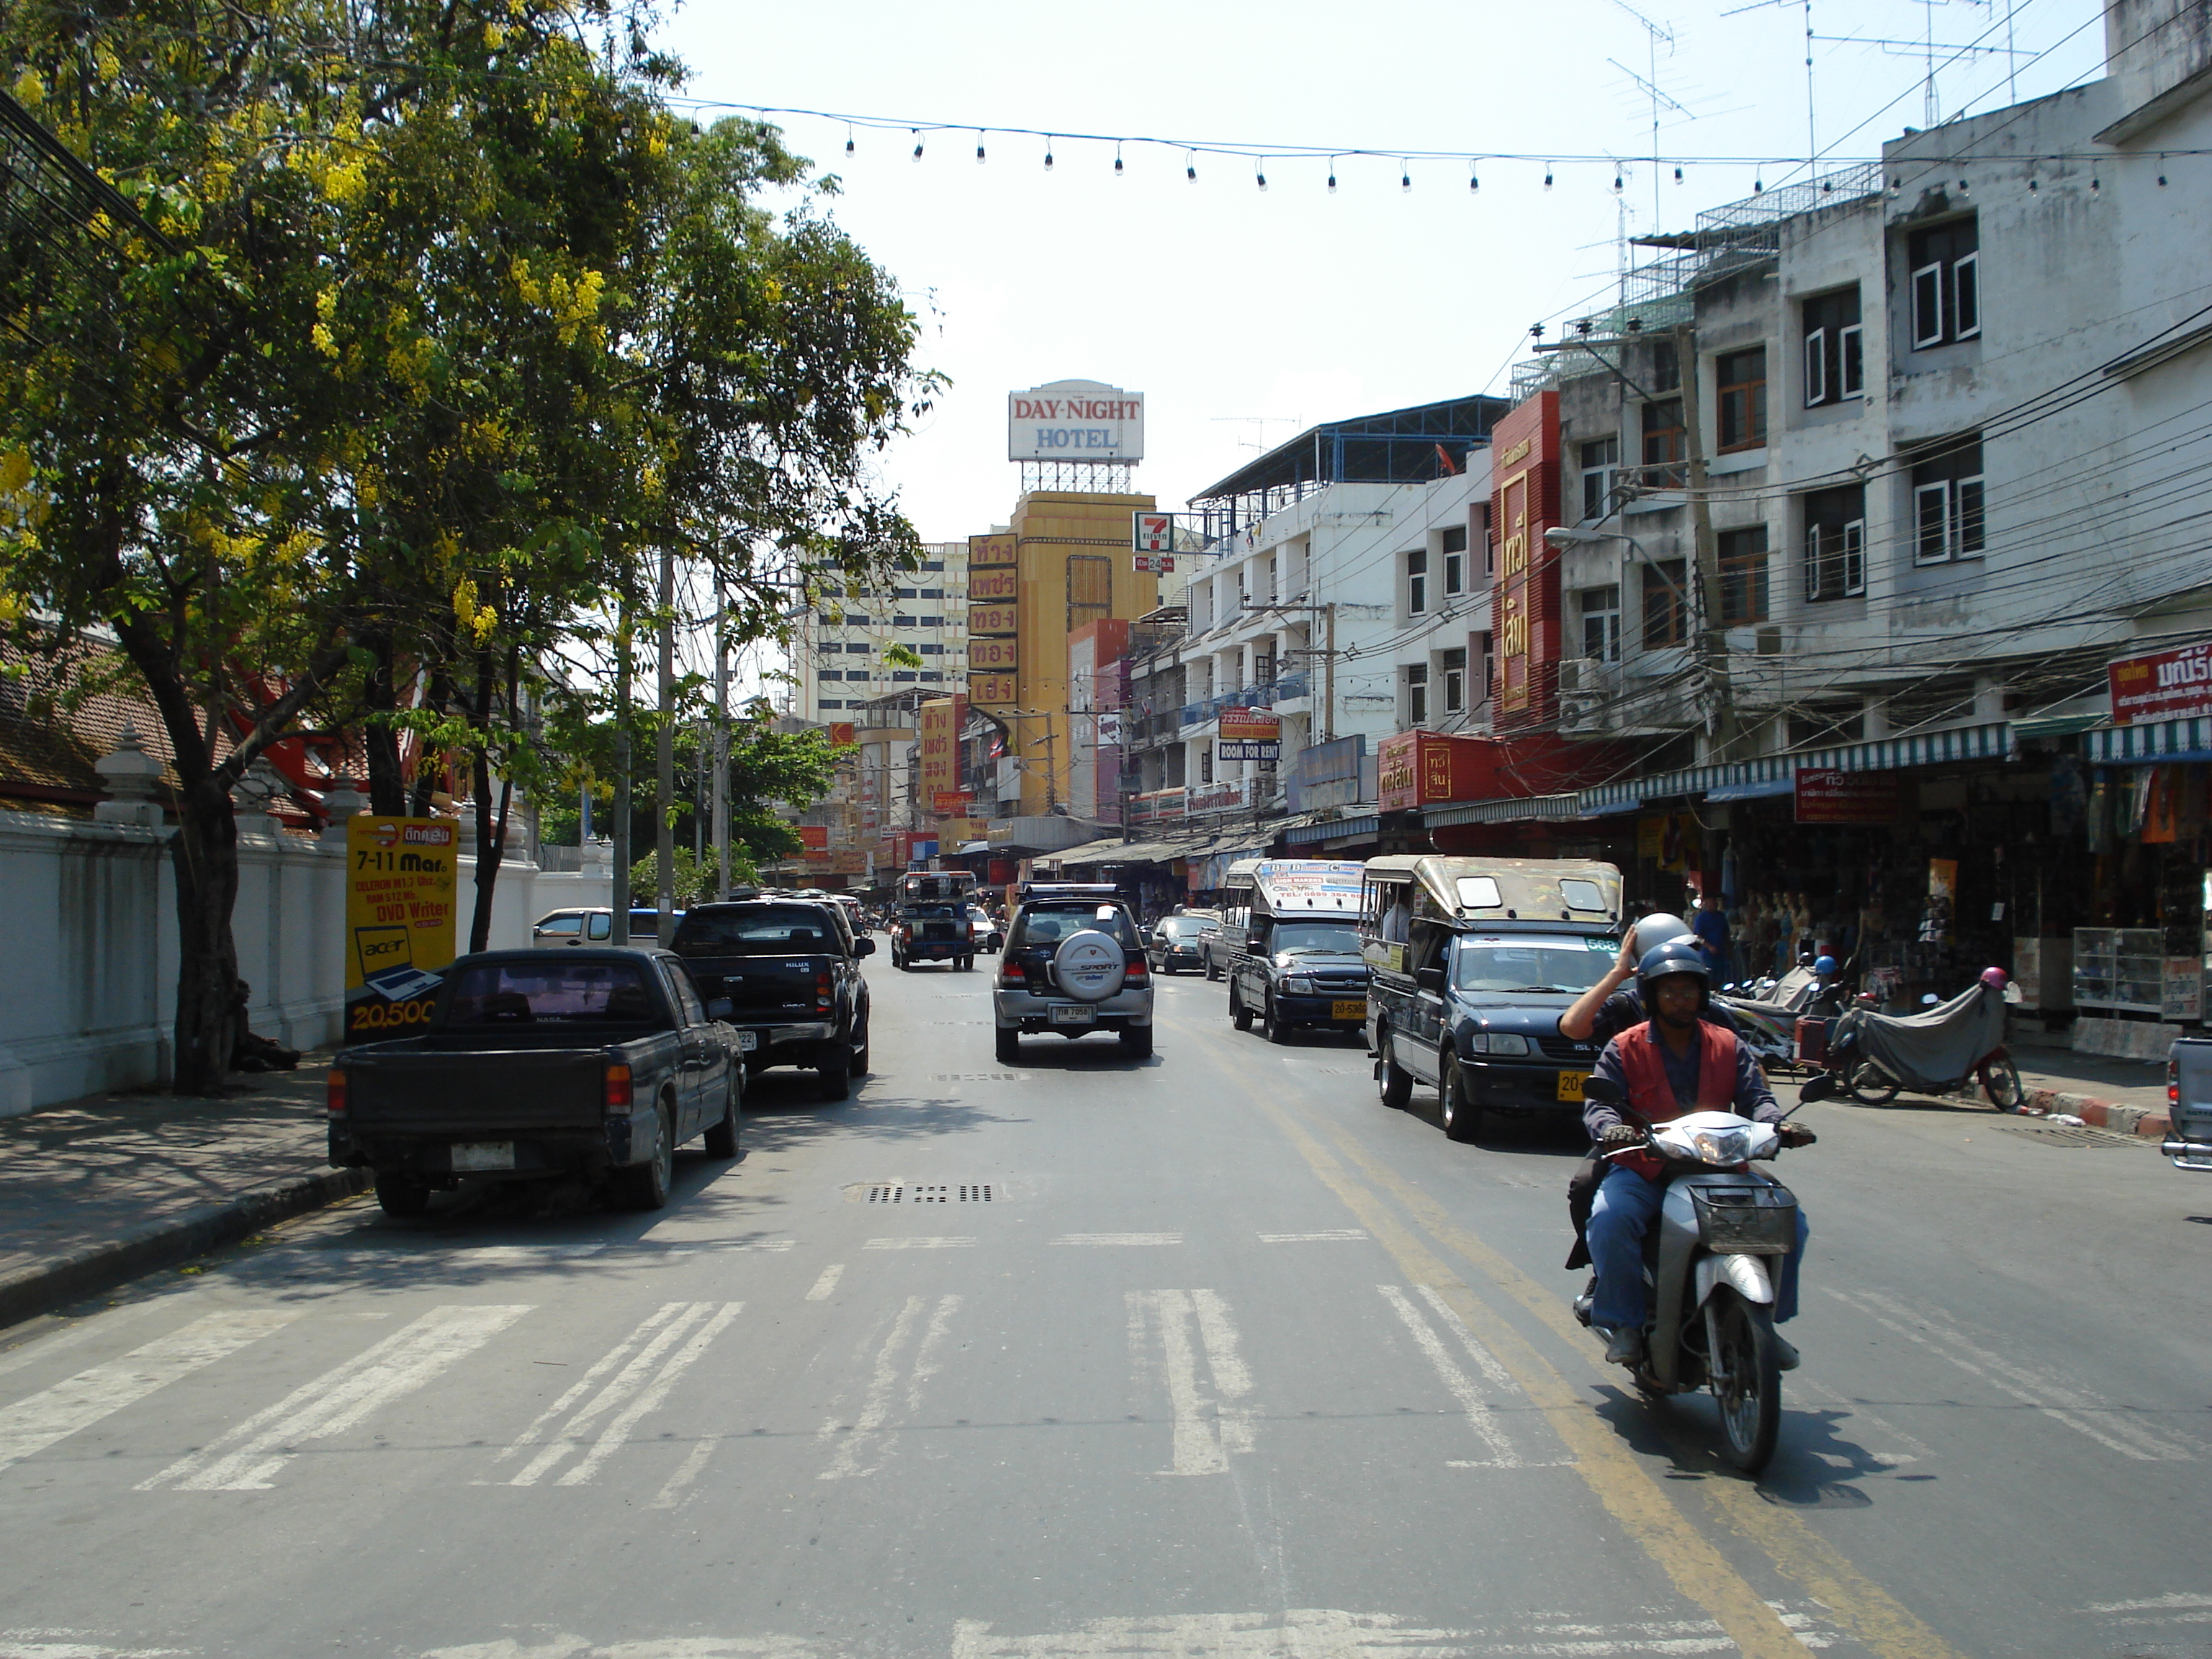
1208, 1355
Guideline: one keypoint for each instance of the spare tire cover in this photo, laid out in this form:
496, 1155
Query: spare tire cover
1089, 966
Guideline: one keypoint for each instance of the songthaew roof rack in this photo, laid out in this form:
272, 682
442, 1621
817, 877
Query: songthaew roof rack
1068, 890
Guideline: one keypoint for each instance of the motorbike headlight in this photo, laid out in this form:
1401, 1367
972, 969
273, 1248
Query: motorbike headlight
1299, 987
1508, 1042
1722, 1146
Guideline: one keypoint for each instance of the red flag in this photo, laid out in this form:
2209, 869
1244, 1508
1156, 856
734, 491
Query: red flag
1451, 467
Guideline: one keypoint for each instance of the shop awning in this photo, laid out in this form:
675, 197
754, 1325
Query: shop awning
1515, 809
2151, 742
1758, 791
1990, 742
2054, 726
1340, 829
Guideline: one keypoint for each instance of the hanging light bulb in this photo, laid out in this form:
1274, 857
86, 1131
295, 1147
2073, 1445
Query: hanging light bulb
1827, 186
2096, 187
1118, 173
1616, 184
1048, 155
2161, 181
1678, 175
1473, 179
1332, 179
917, 144
1547, 175
1190, 166
979, 146
1405, 177
1260, 172
1896, 188
2034, 188
849, 140
1757, 187
1965, 189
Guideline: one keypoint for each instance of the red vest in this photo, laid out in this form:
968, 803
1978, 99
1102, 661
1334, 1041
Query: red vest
1651, 1098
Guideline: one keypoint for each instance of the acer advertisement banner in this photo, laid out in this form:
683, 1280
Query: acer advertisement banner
399, 914
1524, 451
2169, 685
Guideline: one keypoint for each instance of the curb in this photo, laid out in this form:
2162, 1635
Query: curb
2145, 1122
26, 1292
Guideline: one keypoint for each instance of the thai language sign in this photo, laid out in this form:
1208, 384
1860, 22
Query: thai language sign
1825, 796
2169, 685
1250, 724
401, 876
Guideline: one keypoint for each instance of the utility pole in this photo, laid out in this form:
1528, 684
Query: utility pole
620, 901
1712, 635
721, 743
664, 744
1328, 677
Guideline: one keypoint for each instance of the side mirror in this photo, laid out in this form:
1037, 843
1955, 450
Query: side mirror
721, 1008
1826, 1086
864, 947
1430, 978
1603, 1090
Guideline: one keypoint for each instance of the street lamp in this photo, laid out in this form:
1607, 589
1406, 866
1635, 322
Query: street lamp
1561, 535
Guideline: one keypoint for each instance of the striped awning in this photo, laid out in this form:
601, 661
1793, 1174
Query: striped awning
1518, 809
1342, 829
2151, 742
1883, 755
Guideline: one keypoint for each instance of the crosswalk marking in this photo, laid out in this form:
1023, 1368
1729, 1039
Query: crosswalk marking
922, 1242
32, 1425
672, 1495
1206, 1429
1480, 1417
1331, 1236
249, 1456
826, 1286
658, 1353
1110, 1239
864, 1436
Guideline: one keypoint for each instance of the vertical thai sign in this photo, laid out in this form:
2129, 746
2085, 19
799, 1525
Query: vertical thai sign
994, 622
1524, 449
401, 874
941, 721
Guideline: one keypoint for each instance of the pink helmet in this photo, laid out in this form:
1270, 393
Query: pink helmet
1995, 977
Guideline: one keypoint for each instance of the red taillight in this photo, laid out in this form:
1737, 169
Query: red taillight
334, 1094
823, 996
1135, 973
2172, 1085
1011, 975
618, 1096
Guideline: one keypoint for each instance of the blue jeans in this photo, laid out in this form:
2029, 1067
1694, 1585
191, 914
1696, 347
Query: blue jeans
1627, 1203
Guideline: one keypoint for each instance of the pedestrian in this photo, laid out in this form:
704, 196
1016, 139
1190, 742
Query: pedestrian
1711, 929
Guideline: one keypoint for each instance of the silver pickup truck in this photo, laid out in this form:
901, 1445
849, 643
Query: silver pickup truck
2189, 1104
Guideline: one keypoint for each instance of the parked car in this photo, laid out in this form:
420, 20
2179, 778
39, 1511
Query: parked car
1176, 941
1472, 962
1299, 965
572, 929
989, 938
790, 971
1074, 963
599, 1064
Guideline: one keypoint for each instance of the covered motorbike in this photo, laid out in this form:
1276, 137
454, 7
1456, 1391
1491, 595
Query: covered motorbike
1876, 1054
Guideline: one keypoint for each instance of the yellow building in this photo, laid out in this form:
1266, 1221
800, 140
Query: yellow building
1066, 560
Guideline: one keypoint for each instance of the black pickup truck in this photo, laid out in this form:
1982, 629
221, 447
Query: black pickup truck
790, 969
592, 1062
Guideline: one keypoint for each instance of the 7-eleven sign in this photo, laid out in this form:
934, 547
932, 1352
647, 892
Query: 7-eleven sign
1153, 532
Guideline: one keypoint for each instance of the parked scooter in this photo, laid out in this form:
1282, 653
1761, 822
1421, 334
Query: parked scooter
1874, 1055
1709, 1286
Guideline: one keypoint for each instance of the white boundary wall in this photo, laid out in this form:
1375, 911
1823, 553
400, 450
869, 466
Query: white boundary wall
88, 995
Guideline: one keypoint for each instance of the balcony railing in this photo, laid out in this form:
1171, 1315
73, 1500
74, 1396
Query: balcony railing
1288, 689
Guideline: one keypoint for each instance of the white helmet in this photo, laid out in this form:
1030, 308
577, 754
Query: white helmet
1653, 931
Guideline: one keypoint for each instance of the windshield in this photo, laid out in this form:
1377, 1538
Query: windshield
756, 930
1050, 927
1563, 965
511, 993
1308, 939
1182, 927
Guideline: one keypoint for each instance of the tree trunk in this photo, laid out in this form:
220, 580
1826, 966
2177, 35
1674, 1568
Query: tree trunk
206, 855
387, 786
489, 844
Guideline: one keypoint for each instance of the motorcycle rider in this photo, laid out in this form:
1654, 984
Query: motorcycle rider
1674, 1063
1613, 1005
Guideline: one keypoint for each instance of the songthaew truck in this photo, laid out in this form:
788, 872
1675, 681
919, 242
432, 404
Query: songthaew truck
1298, 965
930, 921
1472, 962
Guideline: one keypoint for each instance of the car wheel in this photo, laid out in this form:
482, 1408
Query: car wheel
1271, 1024
1461, 1117
403, 1197
1396, 1082
720, 1139
1212, 970
646, 1186
861, 1049
1137, 1041
1009, 1044
836, 1074
1239, 1013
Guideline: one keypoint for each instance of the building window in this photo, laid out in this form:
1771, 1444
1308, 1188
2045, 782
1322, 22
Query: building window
1452, 665
1835, 543
904, 621
1481, 512
1206, 762
1417, 693
1416, 583
930, 650
1743, 576
932, 564
829, 703
1665, 444
1666, 609
1742, 377
1090, 589
903, 675
932, 676
1489, 667
1947, 503
857, 650
1454, 552
901, 593
1601, 609
1944, 270
1272, 569
1835, 356
937, 594
828, 674
1601, 458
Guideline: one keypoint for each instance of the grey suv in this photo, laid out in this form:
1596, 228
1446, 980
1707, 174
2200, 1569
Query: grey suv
1074, 963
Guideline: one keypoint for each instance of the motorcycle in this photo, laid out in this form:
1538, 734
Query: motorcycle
1875, 1055
1709, 1288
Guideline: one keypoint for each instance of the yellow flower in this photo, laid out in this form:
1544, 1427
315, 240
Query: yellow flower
30, 91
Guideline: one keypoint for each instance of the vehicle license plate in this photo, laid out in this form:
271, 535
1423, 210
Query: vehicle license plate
1570, 1086
1073, 1016
483, 1154
1343, 1008
747, 1042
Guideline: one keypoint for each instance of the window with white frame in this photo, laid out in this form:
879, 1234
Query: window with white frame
1206, 762
1835, 543
1943, 271
1451, 669
1482, 644
1417, 693
1835, 351
1948, 507
1600, 460
1275, 567
1454, 557
1417, 582
1600, 613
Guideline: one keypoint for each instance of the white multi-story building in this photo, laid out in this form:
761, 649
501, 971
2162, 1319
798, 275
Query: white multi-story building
840, 649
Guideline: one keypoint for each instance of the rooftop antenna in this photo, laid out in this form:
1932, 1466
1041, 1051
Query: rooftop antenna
1812, 133
1653, 33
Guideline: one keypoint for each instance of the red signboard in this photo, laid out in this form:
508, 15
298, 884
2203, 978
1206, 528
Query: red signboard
1250, 725
952, 803
841, 733
1420, 768
1868, 799
1524, 465
814, 836
2171, 685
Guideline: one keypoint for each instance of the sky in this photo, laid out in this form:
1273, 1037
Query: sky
1245, 315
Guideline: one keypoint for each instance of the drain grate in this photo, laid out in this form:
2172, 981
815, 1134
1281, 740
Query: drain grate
941, 1192
2061, 1135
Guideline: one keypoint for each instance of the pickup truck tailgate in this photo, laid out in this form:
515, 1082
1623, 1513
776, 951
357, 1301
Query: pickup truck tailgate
488, 1093
762, 987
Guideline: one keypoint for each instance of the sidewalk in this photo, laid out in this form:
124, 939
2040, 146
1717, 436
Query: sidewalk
97, 1191
2127, 1097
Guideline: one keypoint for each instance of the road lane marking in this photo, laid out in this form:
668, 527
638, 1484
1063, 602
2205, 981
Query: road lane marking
1479, 1418
865, 1437
1331, 1236
1205, 1431
673, 1495
1227, 1364
925, 1362
939, 1242
104, 1323
2031, 1387
249, 1457
641, 1353
36, 1422
826, 1286
1113, 1239
649, 1398
606, 1363
1863, 1609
